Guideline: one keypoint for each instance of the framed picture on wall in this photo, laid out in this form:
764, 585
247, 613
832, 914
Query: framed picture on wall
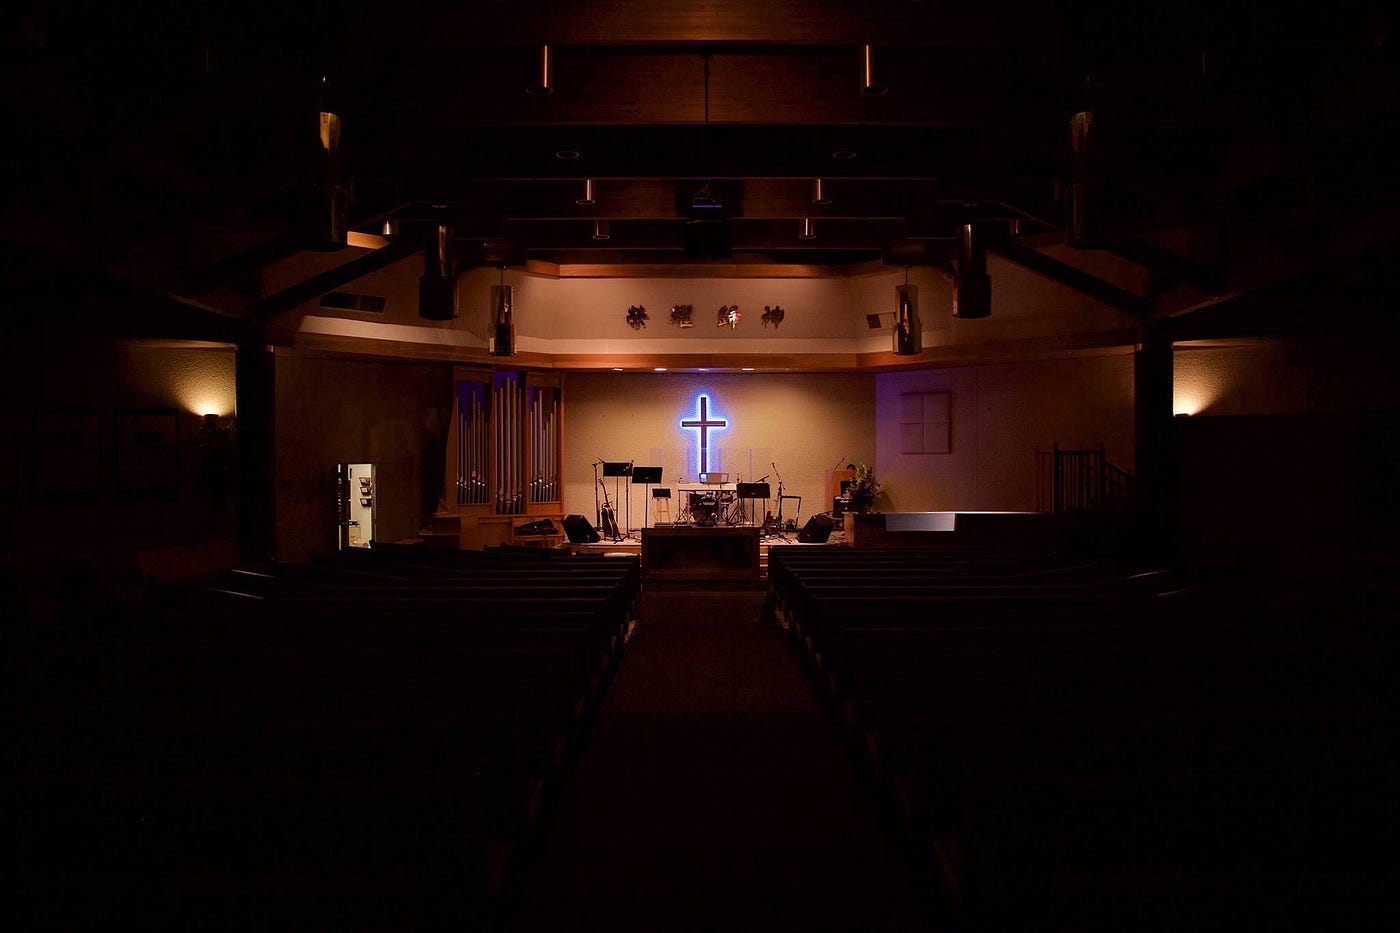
148, 454
67, 456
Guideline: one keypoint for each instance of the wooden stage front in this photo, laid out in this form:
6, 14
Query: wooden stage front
689, 553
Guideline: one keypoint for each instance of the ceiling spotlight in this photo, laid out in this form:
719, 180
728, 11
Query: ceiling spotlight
390, 229
819, 197
545, 85
587, 200
808, 231
868, 84
601, 230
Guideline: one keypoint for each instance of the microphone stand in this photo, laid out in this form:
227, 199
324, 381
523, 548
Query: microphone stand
782, 530
597, 506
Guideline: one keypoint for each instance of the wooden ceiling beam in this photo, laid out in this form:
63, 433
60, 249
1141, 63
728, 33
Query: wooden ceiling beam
612, 87
703, 22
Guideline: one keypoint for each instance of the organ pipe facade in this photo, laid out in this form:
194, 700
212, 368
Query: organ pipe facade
505, 443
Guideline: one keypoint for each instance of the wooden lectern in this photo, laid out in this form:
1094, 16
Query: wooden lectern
837, 481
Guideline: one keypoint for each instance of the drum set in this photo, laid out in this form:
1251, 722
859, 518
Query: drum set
705, 508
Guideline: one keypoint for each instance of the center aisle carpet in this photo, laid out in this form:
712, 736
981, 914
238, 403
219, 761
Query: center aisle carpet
715, 794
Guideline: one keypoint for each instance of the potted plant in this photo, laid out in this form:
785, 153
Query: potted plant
863, 490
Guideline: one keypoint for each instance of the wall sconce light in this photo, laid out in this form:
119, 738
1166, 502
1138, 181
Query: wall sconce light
808, 230
602, 230
819, 197
587, 200
869, 86
545, 85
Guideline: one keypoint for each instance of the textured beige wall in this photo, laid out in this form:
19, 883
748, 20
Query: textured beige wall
807, 424
1312, 373
345, 410
1000, 416
822, 315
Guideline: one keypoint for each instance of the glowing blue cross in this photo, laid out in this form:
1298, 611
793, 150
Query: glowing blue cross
703, 424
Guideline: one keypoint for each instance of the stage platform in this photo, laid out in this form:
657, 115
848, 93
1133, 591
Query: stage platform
632, 545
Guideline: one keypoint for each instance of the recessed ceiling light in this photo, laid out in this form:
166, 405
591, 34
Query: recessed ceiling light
843, 155
566, 154
704, 369
748, 369
659, 369
617, 369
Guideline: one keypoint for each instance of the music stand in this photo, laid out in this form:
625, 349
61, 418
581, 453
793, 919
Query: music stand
751, 491
617, 469
645, 476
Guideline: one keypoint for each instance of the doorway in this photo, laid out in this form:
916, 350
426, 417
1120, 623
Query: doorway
355, 482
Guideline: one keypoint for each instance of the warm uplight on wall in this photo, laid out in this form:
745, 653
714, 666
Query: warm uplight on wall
1199, 380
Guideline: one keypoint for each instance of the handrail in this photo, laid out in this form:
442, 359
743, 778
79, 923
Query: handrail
1080, 481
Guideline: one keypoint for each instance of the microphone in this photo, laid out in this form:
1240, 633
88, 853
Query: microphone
763, 478
838, 464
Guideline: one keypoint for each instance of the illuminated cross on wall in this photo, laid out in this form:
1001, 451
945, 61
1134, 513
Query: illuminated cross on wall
704, 425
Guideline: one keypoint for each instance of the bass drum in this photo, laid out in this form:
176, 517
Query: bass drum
704, 510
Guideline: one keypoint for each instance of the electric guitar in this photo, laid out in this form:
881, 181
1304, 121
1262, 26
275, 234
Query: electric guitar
609, 517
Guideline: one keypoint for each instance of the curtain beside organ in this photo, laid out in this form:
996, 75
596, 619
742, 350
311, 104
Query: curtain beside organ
504, 445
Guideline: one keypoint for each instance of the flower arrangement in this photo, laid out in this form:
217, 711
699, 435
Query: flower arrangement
864, 490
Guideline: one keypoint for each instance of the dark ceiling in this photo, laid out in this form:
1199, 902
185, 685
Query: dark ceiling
181, 146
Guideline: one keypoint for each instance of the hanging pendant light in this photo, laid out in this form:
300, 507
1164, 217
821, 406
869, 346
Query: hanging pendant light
587, 199
602, 230
908, 331
869, 85
819, 197
502, 318
1081, 217
545, 85
808, 230
972, 287
437, 287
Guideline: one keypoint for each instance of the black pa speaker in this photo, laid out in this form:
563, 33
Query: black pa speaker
817, 530
579, 530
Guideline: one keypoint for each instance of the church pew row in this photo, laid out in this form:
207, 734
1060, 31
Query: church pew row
963, 698
216, 732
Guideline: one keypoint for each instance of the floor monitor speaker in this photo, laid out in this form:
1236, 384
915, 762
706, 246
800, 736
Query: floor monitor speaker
579, 530
817, 530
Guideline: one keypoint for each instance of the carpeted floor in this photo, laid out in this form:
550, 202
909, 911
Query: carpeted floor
714, 794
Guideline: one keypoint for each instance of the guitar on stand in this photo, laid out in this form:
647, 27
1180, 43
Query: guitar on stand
608, 517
